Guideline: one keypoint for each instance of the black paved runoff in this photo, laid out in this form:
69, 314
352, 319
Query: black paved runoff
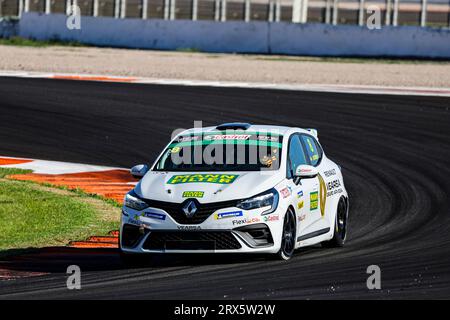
394, 151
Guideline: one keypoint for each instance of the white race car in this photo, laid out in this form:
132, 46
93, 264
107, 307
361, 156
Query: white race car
236, 188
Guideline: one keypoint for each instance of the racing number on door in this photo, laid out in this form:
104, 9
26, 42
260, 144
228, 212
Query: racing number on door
322, 195
314, 156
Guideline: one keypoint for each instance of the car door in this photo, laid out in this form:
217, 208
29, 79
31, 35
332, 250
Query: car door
317, 194
302, 191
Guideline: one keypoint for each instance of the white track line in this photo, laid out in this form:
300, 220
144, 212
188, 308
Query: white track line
56, 167
358, 89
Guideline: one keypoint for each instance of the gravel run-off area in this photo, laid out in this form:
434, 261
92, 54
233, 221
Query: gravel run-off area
225, 67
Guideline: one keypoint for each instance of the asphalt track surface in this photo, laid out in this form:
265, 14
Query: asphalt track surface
394, 150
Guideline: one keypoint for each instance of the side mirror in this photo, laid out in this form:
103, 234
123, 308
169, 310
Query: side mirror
139, 170
304, 171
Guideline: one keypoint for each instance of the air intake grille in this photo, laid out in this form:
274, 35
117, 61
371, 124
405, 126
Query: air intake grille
130, 235
191, 240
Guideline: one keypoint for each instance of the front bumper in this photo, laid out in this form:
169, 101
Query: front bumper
155, 231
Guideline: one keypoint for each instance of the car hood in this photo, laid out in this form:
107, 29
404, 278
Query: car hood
212, 186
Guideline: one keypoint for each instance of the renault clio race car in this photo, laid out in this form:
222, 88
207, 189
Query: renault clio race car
236, 188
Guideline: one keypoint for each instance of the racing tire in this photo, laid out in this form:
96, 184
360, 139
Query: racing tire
340, 226
288, 236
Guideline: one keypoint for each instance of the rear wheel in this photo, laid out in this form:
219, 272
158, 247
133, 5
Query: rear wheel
340, 226
288, 236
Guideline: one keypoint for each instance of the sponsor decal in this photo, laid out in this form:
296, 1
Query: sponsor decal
193, 194
187, 139
228, 137
300, 204
334, 192
323, 195
232, 214
285, 192
268, 161
175, 149
237, 139
299, 194
271, 218
134, 222
329, 173
203, 178
334, 187
302, 217
305, 170
268, 138
245, 221
333, 184
189, 228
314, 200
154, 215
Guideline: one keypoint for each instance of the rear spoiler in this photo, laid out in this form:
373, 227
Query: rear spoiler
314, 133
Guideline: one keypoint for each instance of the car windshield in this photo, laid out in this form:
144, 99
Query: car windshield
223, 151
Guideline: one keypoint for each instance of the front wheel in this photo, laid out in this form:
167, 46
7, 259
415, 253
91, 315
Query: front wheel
340, 226
288, 236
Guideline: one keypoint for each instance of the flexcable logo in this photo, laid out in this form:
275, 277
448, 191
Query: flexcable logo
245, 221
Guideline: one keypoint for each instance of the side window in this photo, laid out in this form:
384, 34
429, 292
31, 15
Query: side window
313, 150
296, 155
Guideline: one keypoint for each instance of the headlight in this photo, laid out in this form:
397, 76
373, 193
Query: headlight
266, 199
132, 201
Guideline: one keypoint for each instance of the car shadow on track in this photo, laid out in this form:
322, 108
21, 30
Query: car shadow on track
38, 261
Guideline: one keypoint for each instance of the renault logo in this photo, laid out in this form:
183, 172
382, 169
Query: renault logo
189, 208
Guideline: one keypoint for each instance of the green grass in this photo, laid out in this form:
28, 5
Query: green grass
32, 215
18, 41
10, 171
81, 192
